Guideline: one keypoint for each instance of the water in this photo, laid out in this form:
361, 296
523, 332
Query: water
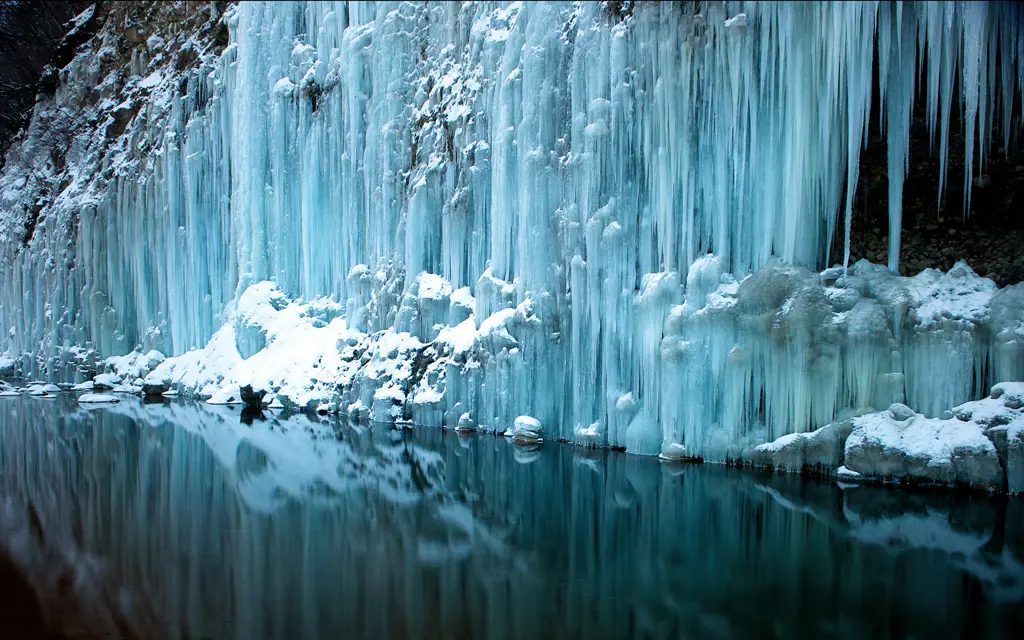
186, 521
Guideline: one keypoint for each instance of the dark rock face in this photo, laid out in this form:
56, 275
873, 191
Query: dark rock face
989, 236
155, 388
252, 397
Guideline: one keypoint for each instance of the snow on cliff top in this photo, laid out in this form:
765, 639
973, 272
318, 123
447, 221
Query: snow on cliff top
958, 294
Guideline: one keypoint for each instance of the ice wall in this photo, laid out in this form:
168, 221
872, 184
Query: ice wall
568, 163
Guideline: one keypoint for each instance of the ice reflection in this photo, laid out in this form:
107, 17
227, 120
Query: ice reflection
184, 521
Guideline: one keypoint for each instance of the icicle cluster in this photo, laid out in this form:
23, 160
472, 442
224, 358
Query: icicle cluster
571, 165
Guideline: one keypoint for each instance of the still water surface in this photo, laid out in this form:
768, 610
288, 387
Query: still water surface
180, 520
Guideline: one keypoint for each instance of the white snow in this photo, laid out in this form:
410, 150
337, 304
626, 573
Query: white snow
981, 443
41, 389
109, 380
96, 398
152, 80
526, 430
461, 337
433, 287
284, 87
957, 294
928, 438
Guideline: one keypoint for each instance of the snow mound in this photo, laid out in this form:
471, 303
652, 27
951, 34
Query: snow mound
526, 430
96, 398
934, 450
41, 389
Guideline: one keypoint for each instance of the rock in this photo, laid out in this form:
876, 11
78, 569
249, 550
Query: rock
466, 423
673, 452
848, 475
252, 397
820, 450
120, 117
97, 398
526, 430
42, 389
1015, 461
153, 387
901, 412
355, 411
105, 382
924, 450
134, 34
982, 181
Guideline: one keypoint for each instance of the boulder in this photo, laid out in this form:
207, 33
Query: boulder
1015, 461
526, 430
922, 449
252, 397
97, 398
820, 450
673, 452
466, 423
105, 382
900, 412
155, 387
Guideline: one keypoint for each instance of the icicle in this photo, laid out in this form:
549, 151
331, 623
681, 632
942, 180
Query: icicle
561, 166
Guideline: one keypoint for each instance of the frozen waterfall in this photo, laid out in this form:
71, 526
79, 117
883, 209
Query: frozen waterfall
629, 208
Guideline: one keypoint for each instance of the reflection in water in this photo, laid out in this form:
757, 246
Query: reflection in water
187, 521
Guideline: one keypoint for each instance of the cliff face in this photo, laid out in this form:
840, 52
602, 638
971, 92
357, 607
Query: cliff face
134, 74
464, 212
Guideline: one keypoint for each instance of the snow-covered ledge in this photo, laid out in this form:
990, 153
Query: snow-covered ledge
978, 444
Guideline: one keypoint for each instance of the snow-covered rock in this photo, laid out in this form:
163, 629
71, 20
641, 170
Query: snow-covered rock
820, 450
250, 396
526, 430
1001, 418
7, 366
106, 381
134, 365
900, 412
673, 452
42, 389
155, 387
849, 475
466, 423
922, 449
97, 398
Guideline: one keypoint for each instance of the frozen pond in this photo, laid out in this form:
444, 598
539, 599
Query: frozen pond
181, 520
